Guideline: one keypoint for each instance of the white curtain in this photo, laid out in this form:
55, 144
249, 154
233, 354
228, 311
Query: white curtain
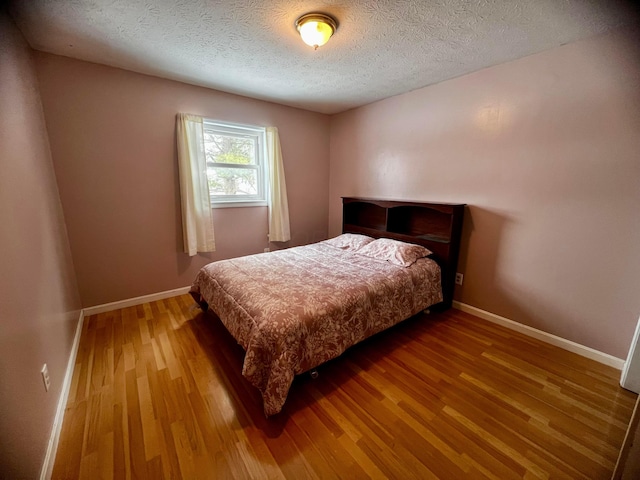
197, 217
278, 206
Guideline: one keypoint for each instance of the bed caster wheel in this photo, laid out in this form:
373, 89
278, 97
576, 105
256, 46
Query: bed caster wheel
426, 311
314, 374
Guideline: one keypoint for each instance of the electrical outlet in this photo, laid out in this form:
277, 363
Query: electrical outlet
459, 278
267, 250
45, 377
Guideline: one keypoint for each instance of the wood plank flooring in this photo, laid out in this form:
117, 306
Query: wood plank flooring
157, 392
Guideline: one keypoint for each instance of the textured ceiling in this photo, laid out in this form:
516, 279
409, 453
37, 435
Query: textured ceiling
251, 47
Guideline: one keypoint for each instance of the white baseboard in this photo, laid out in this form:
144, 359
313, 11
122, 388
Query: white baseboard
52, 447
563, 343
129, 302
574, 347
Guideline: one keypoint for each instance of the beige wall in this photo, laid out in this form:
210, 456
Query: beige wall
546, 151
113, 144
39, 303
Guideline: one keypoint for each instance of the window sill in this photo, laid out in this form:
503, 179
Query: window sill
238, 204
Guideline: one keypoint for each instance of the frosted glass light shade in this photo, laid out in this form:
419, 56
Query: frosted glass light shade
316, 29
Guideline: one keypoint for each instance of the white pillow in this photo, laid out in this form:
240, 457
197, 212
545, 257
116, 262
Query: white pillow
349, 241
399, 253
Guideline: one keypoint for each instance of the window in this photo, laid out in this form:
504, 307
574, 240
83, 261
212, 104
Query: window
236, 164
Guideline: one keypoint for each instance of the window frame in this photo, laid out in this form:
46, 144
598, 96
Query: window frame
261, 165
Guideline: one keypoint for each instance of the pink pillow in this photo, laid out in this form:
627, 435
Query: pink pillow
393, 251
349, 241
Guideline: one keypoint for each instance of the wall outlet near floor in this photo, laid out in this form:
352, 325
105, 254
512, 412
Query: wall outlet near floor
267, 250
459, 278
45, 377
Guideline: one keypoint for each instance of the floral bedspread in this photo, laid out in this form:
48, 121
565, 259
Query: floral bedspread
294, 309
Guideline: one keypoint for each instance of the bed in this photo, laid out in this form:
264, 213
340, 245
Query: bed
294, 309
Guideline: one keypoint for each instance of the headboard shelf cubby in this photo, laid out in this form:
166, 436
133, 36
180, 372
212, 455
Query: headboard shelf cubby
437, 226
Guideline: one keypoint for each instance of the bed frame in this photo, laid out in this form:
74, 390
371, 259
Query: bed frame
436, 226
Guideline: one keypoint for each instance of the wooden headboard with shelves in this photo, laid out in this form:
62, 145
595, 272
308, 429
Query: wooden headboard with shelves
436, 226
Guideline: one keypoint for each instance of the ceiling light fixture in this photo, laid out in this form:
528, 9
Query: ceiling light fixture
316, 28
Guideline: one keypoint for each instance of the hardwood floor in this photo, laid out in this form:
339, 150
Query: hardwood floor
157, 392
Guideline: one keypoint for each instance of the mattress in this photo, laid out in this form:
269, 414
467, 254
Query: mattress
292, 310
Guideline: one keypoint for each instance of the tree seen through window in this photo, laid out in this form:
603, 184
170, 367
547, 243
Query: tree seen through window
225, 155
